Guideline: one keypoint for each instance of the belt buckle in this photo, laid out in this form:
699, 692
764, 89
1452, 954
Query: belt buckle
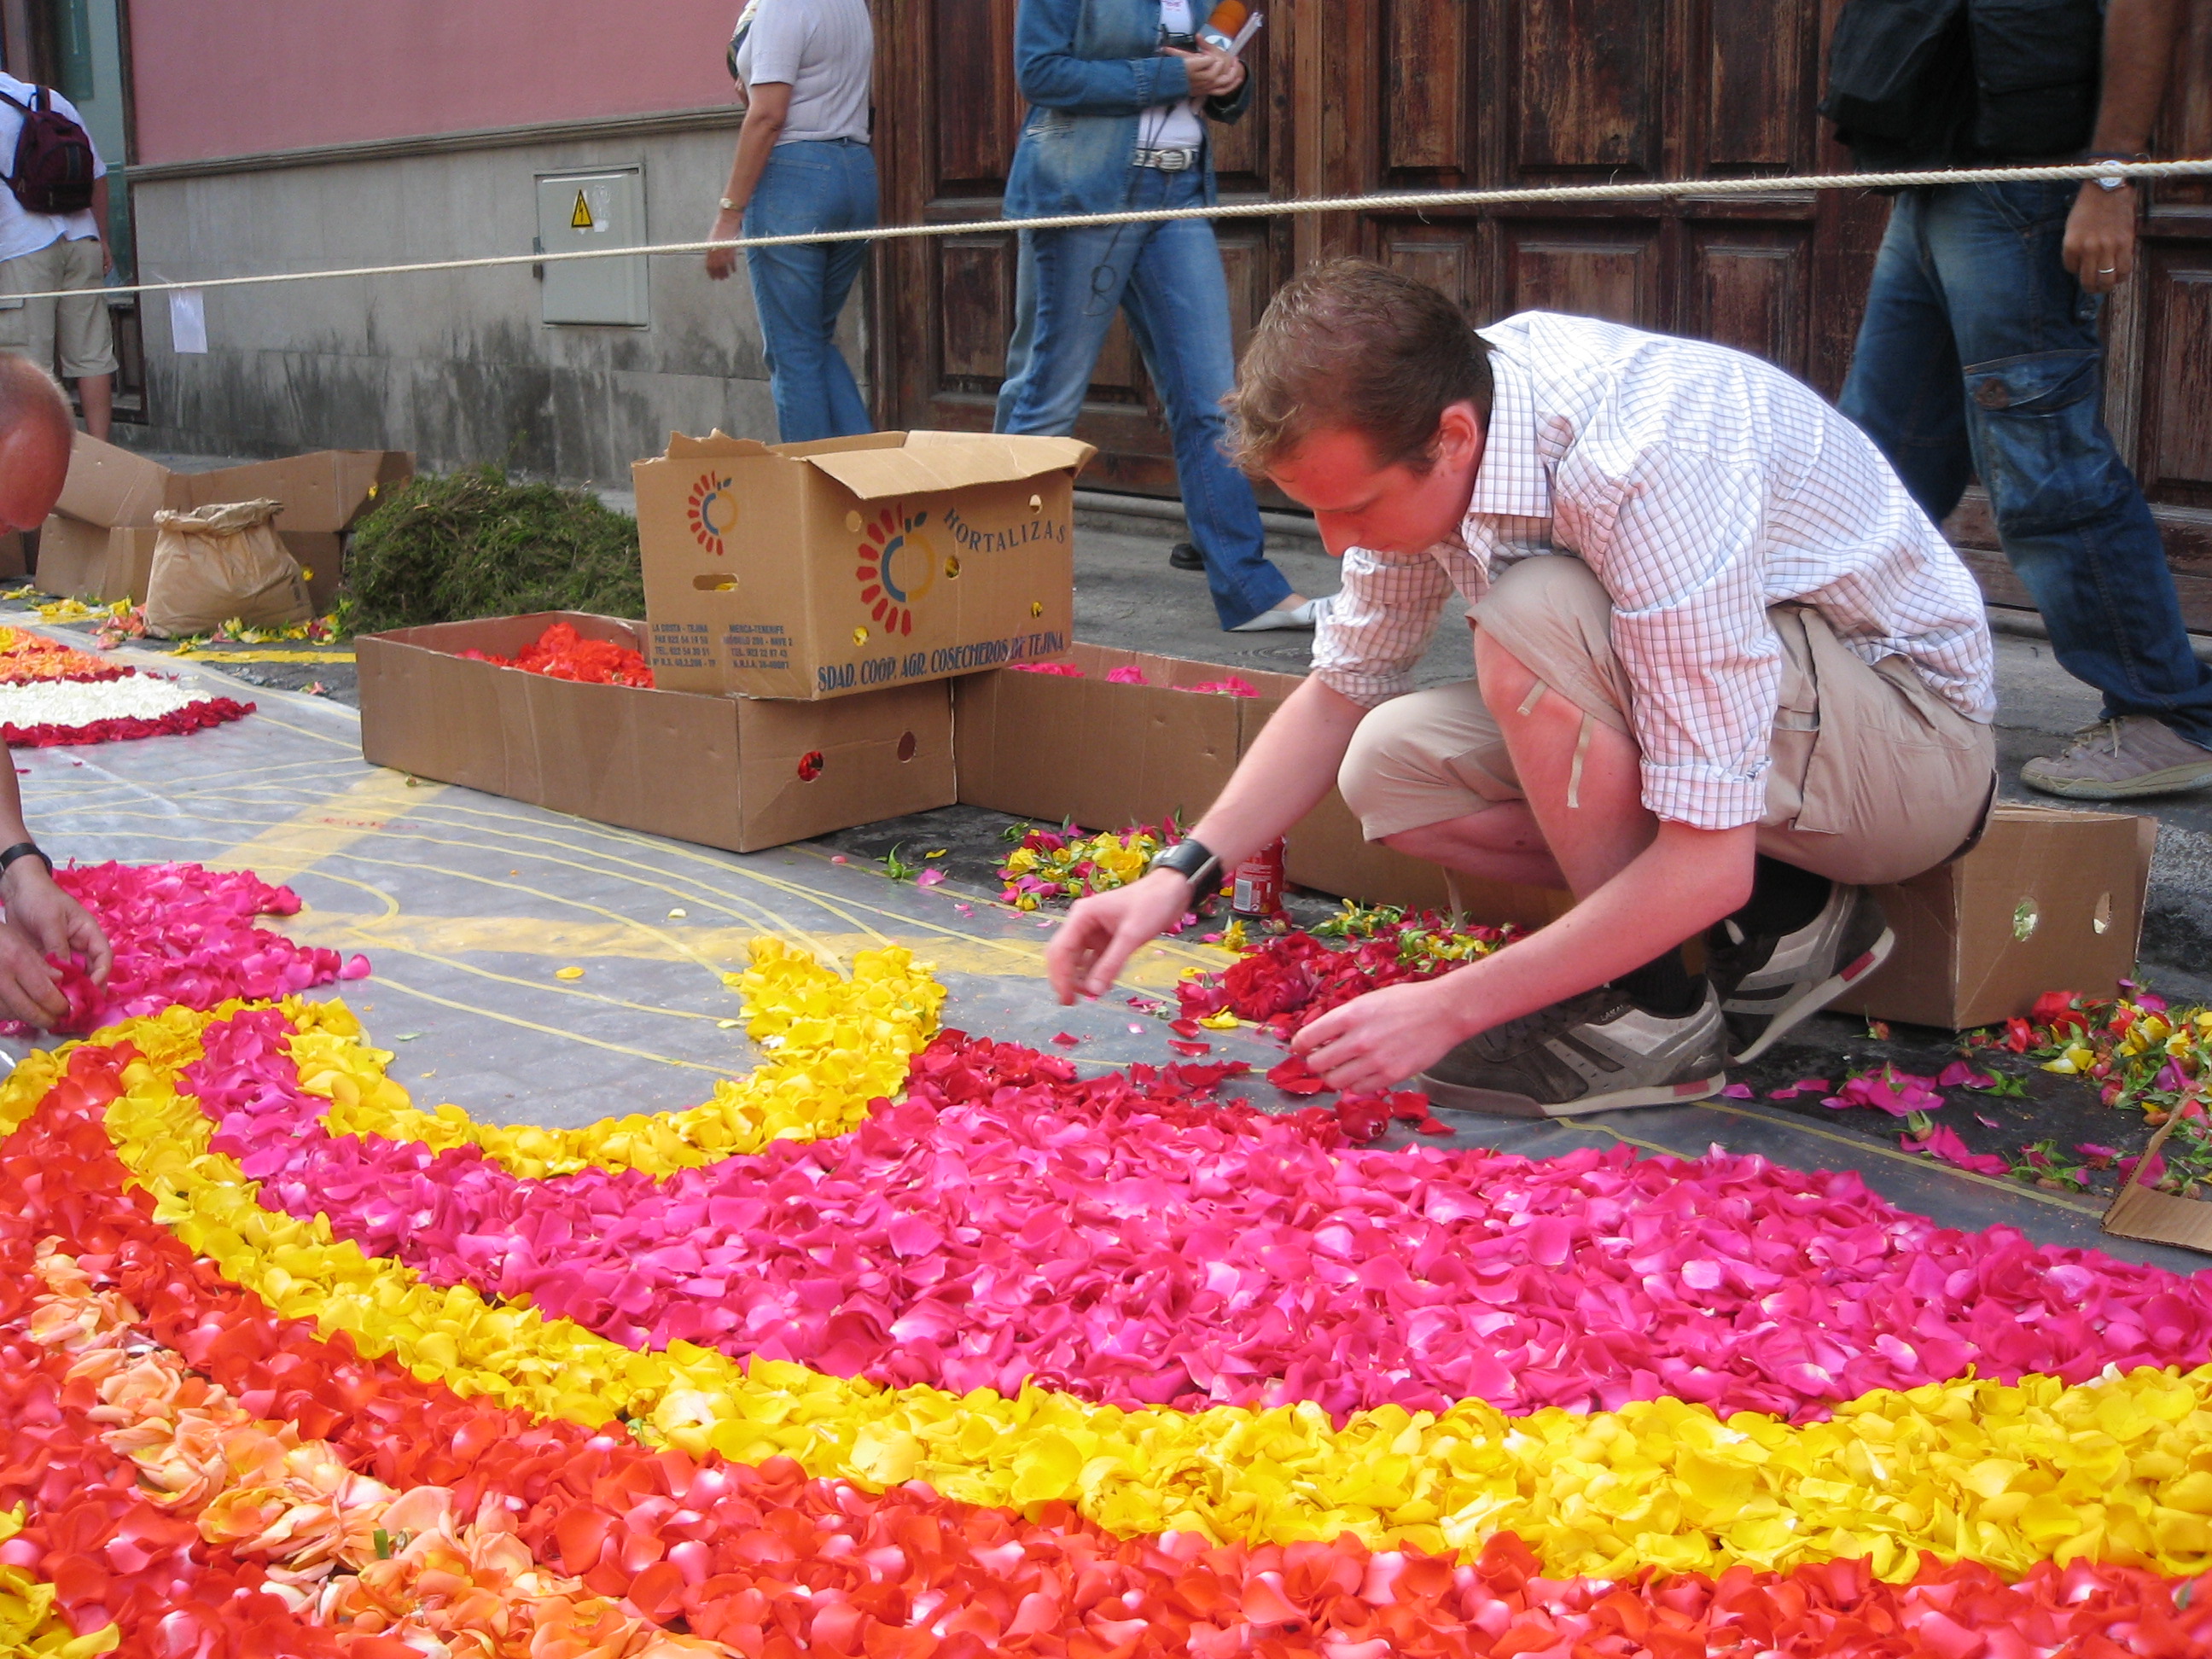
1173, 161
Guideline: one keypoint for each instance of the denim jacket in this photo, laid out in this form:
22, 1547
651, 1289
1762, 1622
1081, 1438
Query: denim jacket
1089, 69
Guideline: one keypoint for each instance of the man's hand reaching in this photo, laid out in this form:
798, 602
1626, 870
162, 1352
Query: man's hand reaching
1104, 931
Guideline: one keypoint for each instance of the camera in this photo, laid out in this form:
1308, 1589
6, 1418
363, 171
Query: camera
1180, 42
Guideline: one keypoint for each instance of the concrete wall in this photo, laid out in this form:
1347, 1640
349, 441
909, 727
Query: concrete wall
456, 367
235, 77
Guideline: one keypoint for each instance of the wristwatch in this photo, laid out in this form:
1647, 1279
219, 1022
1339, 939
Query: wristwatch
24, 849
2109, 178
728, 206
1194, 861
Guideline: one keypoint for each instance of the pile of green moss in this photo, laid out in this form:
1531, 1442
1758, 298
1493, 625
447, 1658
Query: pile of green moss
474, 544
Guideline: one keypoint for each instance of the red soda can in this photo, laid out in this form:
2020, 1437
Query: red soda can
1258, 890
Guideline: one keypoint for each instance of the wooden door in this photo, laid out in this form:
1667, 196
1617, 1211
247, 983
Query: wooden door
1482, 94
948, 117
1365, 96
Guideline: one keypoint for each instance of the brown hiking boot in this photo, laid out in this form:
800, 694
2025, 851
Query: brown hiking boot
2119, 760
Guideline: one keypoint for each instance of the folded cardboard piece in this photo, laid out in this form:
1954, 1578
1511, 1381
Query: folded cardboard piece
730, 772
2144, 1212
1053, 747
110, 489
2050, 900
821, 570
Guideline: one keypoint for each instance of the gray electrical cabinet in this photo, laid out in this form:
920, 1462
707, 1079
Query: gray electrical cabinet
594, 210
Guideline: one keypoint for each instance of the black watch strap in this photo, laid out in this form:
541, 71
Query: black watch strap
1194, 861
24, 849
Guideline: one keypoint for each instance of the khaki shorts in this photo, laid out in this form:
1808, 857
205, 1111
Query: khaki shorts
1874, 777
73, 336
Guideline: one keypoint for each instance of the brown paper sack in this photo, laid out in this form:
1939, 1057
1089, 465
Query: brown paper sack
216, 563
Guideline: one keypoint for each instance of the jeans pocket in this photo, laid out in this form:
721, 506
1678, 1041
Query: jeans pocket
2044, 454
2027, 205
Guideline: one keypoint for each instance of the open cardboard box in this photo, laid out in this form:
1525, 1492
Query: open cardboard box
2050, 900
730, 772
2146, 1213
110, 489
822, 569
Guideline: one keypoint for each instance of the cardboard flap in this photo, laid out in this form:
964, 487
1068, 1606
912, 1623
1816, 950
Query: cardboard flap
717, 442
931, 461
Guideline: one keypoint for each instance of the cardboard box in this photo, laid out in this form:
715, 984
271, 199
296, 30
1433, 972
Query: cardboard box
72, 558
85, 561
323, 493
2052, 900
2161, 1218
729, 772
1051, 747
320, 554
108, 486
817, 570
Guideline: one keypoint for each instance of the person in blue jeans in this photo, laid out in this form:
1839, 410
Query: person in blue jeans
1119, 91
803, 164
1980, 356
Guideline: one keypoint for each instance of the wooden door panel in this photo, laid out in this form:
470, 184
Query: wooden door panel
976, 104
975, 290
1749, 290
1587, 86
1758, 93
1443, 257
1608, 270
1427, 69
2177, 406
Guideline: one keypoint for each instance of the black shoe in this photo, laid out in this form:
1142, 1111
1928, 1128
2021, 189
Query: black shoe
1598, 1052
1770, 983
1183, 557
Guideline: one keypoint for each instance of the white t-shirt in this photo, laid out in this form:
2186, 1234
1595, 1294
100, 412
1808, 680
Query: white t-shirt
1179, 126
825, 52
22, 233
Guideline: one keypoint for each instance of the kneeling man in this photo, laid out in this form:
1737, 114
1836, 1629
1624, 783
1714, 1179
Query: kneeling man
1727, 676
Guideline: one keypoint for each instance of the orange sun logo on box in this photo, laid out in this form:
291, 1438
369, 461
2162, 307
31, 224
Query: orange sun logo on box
898, 567
712, 512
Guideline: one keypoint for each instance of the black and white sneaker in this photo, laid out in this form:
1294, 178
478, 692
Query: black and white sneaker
1598, 1052
1770, 983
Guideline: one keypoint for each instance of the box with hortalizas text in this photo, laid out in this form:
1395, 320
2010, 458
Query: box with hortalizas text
854, 564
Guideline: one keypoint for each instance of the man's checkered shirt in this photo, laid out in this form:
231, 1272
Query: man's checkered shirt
1701, 486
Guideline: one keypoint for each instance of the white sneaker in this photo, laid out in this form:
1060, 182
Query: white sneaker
1285, 616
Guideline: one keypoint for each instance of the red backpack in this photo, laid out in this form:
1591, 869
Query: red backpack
54, 158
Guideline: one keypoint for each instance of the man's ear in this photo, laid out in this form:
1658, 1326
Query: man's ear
1460, 430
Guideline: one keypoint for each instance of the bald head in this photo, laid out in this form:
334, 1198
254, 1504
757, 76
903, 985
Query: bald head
35, 435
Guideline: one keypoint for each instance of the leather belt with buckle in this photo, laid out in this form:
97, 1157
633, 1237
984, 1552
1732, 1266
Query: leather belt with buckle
1168, 161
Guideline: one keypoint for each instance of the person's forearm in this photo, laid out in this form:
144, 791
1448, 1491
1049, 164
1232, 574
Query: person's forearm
2138, 60
1291, 765
1682, 883
100, 204
755, 143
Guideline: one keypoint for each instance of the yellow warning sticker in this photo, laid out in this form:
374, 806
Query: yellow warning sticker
580, 219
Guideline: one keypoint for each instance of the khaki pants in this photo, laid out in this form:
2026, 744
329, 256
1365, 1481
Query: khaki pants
1874, 777
73, 336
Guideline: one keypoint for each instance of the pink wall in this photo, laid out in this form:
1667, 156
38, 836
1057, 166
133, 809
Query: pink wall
228, 77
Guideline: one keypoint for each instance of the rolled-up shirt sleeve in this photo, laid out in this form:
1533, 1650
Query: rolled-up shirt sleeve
1379, 623
1681, 561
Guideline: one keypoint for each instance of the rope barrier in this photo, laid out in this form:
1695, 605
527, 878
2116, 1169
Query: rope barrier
1407, 202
